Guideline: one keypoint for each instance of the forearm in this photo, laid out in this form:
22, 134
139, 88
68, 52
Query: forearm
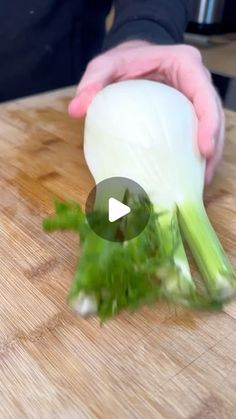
155, 21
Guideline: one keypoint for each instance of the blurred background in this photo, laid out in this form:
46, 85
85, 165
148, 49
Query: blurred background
212, 28
212, 16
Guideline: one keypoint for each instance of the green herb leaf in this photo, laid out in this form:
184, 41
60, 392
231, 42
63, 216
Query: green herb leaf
125, 275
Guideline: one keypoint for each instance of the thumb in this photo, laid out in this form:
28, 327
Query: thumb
99, 73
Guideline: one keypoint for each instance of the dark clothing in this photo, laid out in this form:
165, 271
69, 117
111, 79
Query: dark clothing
46, 44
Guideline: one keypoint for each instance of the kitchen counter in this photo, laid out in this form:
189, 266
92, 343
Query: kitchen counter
160, 362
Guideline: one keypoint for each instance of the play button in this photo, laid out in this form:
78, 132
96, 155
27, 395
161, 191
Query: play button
118, 209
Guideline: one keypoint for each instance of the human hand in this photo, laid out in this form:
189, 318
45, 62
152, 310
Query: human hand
179, 66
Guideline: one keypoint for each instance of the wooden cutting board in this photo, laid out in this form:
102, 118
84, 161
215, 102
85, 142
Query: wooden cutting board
161, 362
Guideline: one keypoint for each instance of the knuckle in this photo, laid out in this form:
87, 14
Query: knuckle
94, 63
194, 52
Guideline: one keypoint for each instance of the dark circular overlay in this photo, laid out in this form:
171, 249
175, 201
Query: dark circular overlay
125, 191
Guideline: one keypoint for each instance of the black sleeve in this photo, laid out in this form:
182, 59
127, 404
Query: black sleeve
156, 21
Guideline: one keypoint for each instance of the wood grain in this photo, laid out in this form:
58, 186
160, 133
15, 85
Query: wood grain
161, 362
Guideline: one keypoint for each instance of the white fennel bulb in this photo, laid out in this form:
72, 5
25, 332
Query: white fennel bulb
147, 132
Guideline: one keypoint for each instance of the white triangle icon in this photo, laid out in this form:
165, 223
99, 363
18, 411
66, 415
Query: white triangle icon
117, 209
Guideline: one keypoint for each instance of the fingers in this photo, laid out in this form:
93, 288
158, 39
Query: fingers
215, 159
129, 60
100, 72
79, 105
178, 66
209, 116
194, 81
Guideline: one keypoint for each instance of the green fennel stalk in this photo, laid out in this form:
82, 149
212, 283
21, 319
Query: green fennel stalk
114, 276
211, 259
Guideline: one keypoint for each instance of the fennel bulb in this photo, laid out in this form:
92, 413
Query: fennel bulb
147, 132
